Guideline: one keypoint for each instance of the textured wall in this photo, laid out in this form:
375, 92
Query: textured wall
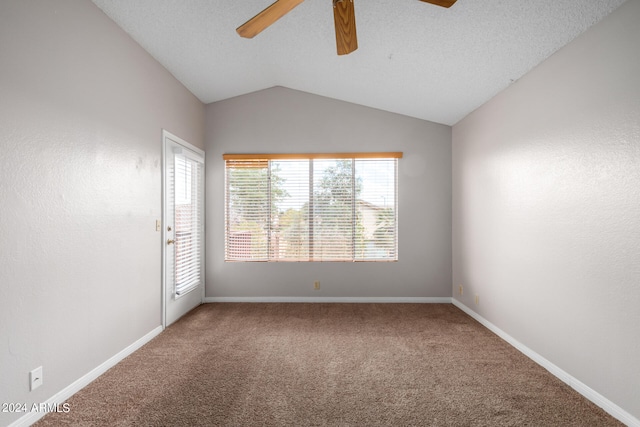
284, 120
546, 209
81, 112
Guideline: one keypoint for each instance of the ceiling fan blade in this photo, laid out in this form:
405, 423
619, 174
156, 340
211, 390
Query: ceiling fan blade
262, 20
344, 17
443, 3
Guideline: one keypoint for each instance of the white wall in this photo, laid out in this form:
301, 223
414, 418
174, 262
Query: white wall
546, 209
81, 112
284, 120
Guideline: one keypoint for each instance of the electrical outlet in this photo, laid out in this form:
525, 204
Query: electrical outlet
316, 285
35, 378
460, 290
477, 300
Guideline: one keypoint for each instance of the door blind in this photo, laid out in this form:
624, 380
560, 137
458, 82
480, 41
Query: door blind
188, 209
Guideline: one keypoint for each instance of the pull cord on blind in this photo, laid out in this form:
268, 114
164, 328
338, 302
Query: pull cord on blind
188, 209
293, 207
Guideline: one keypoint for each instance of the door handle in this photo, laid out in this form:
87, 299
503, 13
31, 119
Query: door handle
170, 242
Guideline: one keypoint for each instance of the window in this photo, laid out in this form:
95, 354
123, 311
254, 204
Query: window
188, 218
311, 207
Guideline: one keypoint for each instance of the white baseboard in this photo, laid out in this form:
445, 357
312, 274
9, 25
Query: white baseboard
420, 300
595, 397
76, 386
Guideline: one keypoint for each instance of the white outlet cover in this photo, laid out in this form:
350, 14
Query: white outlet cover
35, 378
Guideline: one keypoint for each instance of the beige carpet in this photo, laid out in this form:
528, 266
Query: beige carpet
328, 365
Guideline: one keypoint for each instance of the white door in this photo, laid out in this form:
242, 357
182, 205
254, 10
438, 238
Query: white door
183, 227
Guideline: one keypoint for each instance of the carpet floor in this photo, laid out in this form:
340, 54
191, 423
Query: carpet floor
328, 365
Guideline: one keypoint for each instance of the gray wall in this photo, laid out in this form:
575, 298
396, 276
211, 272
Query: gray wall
81, 112
283, 120
546, 209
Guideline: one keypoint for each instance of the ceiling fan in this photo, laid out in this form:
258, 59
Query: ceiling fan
343, 15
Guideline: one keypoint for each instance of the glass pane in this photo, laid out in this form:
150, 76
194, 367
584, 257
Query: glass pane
333, 189
188, 224
290, 210
376, 215
247, 212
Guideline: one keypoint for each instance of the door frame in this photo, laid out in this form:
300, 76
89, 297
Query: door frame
166, 135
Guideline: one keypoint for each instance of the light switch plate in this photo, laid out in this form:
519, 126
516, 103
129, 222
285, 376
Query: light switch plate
35, 378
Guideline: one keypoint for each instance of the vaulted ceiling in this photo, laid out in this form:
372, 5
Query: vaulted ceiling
413, 58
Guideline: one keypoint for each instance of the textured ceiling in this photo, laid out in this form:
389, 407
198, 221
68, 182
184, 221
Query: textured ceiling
413, 58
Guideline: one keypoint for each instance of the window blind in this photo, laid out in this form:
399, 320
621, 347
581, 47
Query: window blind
188, 209
311, 207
